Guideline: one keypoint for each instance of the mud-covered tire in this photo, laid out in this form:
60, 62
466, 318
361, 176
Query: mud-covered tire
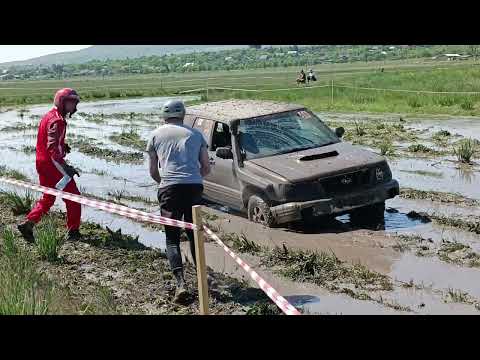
370, 215
259, 211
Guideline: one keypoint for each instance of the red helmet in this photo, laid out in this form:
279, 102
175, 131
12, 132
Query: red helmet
64, 94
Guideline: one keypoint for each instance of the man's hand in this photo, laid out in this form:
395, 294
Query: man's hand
70, 170
67, 149
153, 166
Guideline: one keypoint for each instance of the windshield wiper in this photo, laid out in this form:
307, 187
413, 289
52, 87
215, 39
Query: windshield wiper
329, 143
297, 149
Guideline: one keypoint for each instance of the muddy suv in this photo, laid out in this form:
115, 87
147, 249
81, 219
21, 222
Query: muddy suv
280, 163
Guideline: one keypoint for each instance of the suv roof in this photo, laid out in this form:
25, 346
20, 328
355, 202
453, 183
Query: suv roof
231, 110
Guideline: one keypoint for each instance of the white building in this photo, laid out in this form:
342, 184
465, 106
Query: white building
452, 56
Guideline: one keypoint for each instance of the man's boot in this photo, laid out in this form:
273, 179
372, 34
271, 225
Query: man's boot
73, 235
26, 229
182, 295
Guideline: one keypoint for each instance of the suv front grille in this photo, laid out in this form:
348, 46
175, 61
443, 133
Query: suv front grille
345, 183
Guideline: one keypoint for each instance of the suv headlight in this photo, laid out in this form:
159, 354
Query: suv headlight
382, 173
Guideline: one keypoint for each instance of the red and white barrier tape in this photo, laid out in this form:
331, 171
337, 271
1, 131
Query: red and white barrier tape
106, 206
281, 302
278, 299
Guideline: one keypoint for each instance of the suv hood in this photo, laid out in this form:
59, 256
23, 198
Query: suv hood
314, 163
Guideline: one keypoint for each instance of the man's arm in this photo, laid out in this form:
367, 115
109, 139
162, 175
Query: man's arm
154, 173
53, 142
204, 162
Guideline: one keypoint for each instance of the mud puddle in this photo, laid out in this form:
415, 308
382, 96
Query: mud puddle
410, 173
372, 247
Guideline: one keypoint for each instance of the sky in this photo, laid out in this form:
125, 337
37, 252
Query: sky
24, 52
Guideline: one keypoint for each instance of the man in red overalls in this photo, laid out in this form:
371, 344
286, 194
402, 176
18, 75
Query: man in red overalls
51, 166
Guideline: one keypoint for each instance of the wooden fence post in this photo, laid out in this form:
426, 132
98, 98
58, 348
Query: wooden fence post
200, 259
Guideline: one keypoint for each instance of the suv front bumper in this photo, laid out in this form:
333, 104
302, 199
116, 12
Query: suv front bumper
292, 211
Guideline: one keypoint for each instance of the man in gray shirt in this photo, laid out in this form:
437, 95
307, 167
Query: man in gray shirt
178, 162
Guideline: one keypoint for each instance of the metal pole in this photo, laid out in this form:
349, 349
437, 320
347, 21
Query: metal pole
332, 93
207, 88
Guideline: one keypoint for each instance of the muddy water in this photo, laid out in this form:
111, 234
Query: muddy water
373, 248
132, 179
453, 179
467, 127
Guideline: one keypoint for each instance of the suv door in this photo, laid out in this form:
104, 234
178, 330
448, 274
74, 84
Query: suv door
221, 185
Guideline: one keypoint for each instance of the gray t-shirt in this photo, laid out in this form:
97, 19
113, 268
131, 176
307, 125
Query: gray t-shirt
178, 150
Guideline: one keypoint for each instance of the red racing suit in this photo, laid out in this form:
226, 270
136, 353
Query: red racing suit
50, 154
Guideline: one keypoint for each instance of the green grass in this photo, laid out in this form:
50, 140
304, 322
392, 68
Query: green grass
430, 76
472, 226
11, 173
324, 269
386, 148
99, 172
23, 290
116, 156
129, 138
28, 149
419, 148
264, 308
359, 128
465, 150
19, 127
20, 205
458, 296
424, 173
48, 239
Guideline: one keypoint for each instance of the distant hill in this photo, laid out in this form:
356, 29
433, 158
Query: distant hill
103, 52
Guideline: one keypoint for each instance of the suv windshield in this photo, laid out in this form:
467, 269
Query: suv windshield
283, 133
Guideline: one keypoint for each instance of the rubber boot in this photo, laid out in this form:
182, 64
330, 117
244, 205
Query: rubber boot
26, 229
73, 235
182, 295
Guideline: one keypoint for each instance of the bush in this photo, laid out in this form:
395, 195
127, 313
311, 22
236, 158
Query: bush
14, 174
467, 104
446, 101
414, 103
360, 128
465, 150
386, 148
419, 148
18, 204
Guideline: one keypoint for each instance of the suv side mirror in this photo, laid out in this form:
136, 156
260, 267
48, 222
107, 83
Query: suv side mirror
224, 153
339, 131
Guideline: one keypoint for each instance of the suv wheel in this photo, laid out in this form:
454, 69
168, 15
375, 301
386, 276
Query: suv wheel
259, 211
369, 215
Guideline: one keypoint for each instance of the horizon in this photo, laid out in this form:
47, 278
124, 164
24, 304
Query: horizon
9, 53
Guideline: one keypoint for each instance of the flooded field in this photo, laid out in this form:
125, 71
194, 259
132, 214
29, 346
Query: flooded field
424, 259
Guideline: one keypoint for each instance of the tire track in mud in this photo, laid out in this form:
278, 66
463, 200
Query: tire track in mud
387, 296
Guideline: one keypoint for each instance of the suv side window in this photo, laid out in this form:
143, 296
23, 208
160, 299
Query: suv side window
221, 136
205, 126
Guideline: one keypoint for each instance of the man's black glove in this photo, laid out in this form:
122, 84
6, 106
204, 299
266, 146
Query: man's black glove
70, 170
67, 149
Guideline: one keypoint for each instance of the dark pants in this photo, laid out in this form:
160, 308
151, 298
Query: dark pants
176, 202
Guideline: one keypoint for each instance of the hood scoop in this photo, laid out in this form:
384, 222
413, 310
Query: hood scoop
318, 156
